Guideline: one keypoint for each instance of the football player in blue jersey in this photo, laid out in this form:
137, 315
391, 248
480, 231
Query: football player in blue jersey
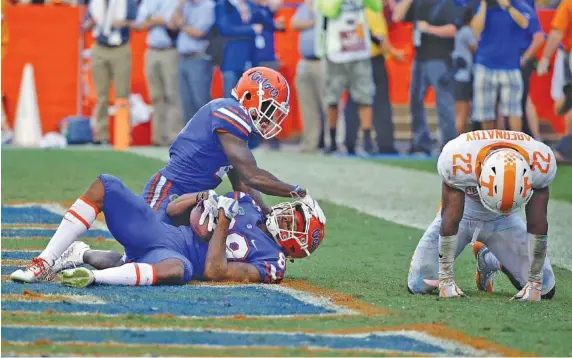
217, 141
246, 245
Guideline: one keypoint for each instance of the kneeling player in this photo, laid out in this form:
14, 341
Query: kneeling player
487, 176
246, 246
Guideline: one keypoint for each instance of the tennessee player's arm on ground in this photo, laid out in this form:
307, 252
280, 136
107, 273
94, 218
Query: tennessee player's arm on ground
184, 202
217, 267
238, 185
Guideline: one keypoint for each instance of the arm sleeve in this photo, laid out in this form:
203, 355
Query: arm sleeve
230, 119
142, 13
226, 28
534, 25
270, 270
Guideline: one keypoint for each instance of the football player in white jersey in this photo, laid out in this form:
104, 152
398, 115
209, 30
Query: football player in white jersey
487, 176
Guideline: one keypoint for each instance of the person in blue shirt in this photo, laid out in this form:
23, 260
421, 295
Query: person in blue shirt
235, 26
161, 68
500, 25
110, 57
246, 246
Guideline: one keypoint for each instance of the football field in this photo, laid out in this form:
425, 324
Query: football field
349, 298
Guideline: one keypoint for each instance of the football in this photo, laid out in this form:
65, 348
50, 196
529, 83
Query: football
201, 230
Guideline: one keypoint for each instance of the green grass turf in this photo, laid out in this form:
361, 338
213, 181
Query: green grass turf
560, 188
363, 256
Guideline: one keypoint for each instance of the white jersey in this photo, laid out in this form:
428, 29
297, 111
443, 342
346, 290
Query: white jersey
460, 161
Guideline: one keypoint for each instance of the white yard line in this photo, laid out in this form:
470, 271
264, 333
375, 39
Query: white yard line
403, 196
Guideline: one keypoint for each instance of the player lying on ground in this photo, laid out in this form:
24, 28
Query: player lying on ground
487, 176
217, 141
246, 245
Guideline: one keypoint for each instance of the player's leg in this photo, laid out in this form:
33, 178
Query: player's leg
425, 261
103, 259
157, 267
157, 193
75, 222
509, 253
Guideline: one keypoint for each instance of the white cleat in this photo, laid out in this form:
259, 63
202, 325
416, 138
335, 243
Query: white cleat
37, 271
72, 257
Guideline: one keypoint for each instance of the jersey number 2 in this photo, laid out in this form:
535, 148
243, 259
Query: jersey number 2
537, 158
462, 164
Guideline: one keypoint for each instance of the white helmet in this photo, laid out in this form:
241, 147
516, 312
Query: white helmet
505, 183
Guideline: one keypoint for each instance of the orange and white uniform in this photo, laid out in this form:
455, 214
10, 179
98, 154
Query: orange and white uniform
505, 235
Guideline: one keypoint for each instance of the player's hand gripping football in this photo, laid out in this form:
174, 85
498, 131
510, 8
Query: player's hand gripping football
210, 213
314, 207
531, 292
228, 206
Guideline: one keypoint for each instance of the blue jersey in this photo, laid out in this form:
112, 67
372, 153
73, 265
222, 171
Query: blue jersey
246, 242
196, 158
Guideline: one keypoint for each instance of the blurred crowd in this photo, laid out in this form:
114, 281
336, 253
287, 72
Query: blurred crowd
477, 55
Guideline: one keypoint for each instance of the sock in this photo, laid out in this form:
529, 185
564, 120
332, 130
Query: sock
76, 221
333, 137
367, 139
492, 262
133, 274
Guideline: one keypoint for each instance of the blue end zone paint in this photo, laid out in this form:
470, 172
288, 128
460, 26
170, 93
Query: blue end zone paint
28, 215
26, 233
391, 342
196, 301
8, 269
19, 255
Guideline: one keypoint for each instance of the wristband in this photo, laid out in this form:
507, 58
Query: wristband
295, 193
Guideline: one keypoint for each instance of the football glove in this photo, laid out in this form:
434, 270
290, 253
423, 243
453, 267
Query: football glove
210, 213
531, 292
449, 289
229, 206
314, 207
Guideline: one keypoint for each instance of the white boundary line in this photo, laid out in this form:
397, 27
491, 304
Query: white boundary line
450, 346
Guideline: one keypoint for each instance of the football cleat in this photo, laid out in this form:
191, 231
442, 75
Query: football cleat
77, 278
72, 257
483, 278
38, 270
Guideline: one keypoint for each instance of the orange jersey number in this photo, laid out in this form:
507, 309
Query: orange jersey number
537, 158
462, 163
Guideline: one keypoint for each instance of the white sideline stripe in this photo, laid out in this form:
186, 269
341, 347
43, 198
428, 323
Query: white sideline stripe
448, 345
403, 196
235, 117
84, 299
56, 208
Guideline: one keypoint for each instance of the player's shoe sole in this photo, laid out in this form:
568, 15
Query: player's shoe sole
77, 278
484, 280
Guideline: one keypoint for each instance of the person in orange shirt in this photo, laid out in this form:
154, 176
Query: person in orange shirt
4, 30
561, 90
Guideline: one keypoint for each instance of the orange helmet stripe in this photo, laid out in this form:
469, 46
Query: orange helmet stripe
509, 183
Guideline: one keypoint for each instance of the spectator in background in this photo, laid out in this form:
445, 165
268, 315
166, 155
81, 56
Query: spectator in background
161, 68
465, 47
344, 40
194, 19
435, 27
561, 88
499, 25
309, 80
233, 20
265, 53
382, 113
110, 57
532, 41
